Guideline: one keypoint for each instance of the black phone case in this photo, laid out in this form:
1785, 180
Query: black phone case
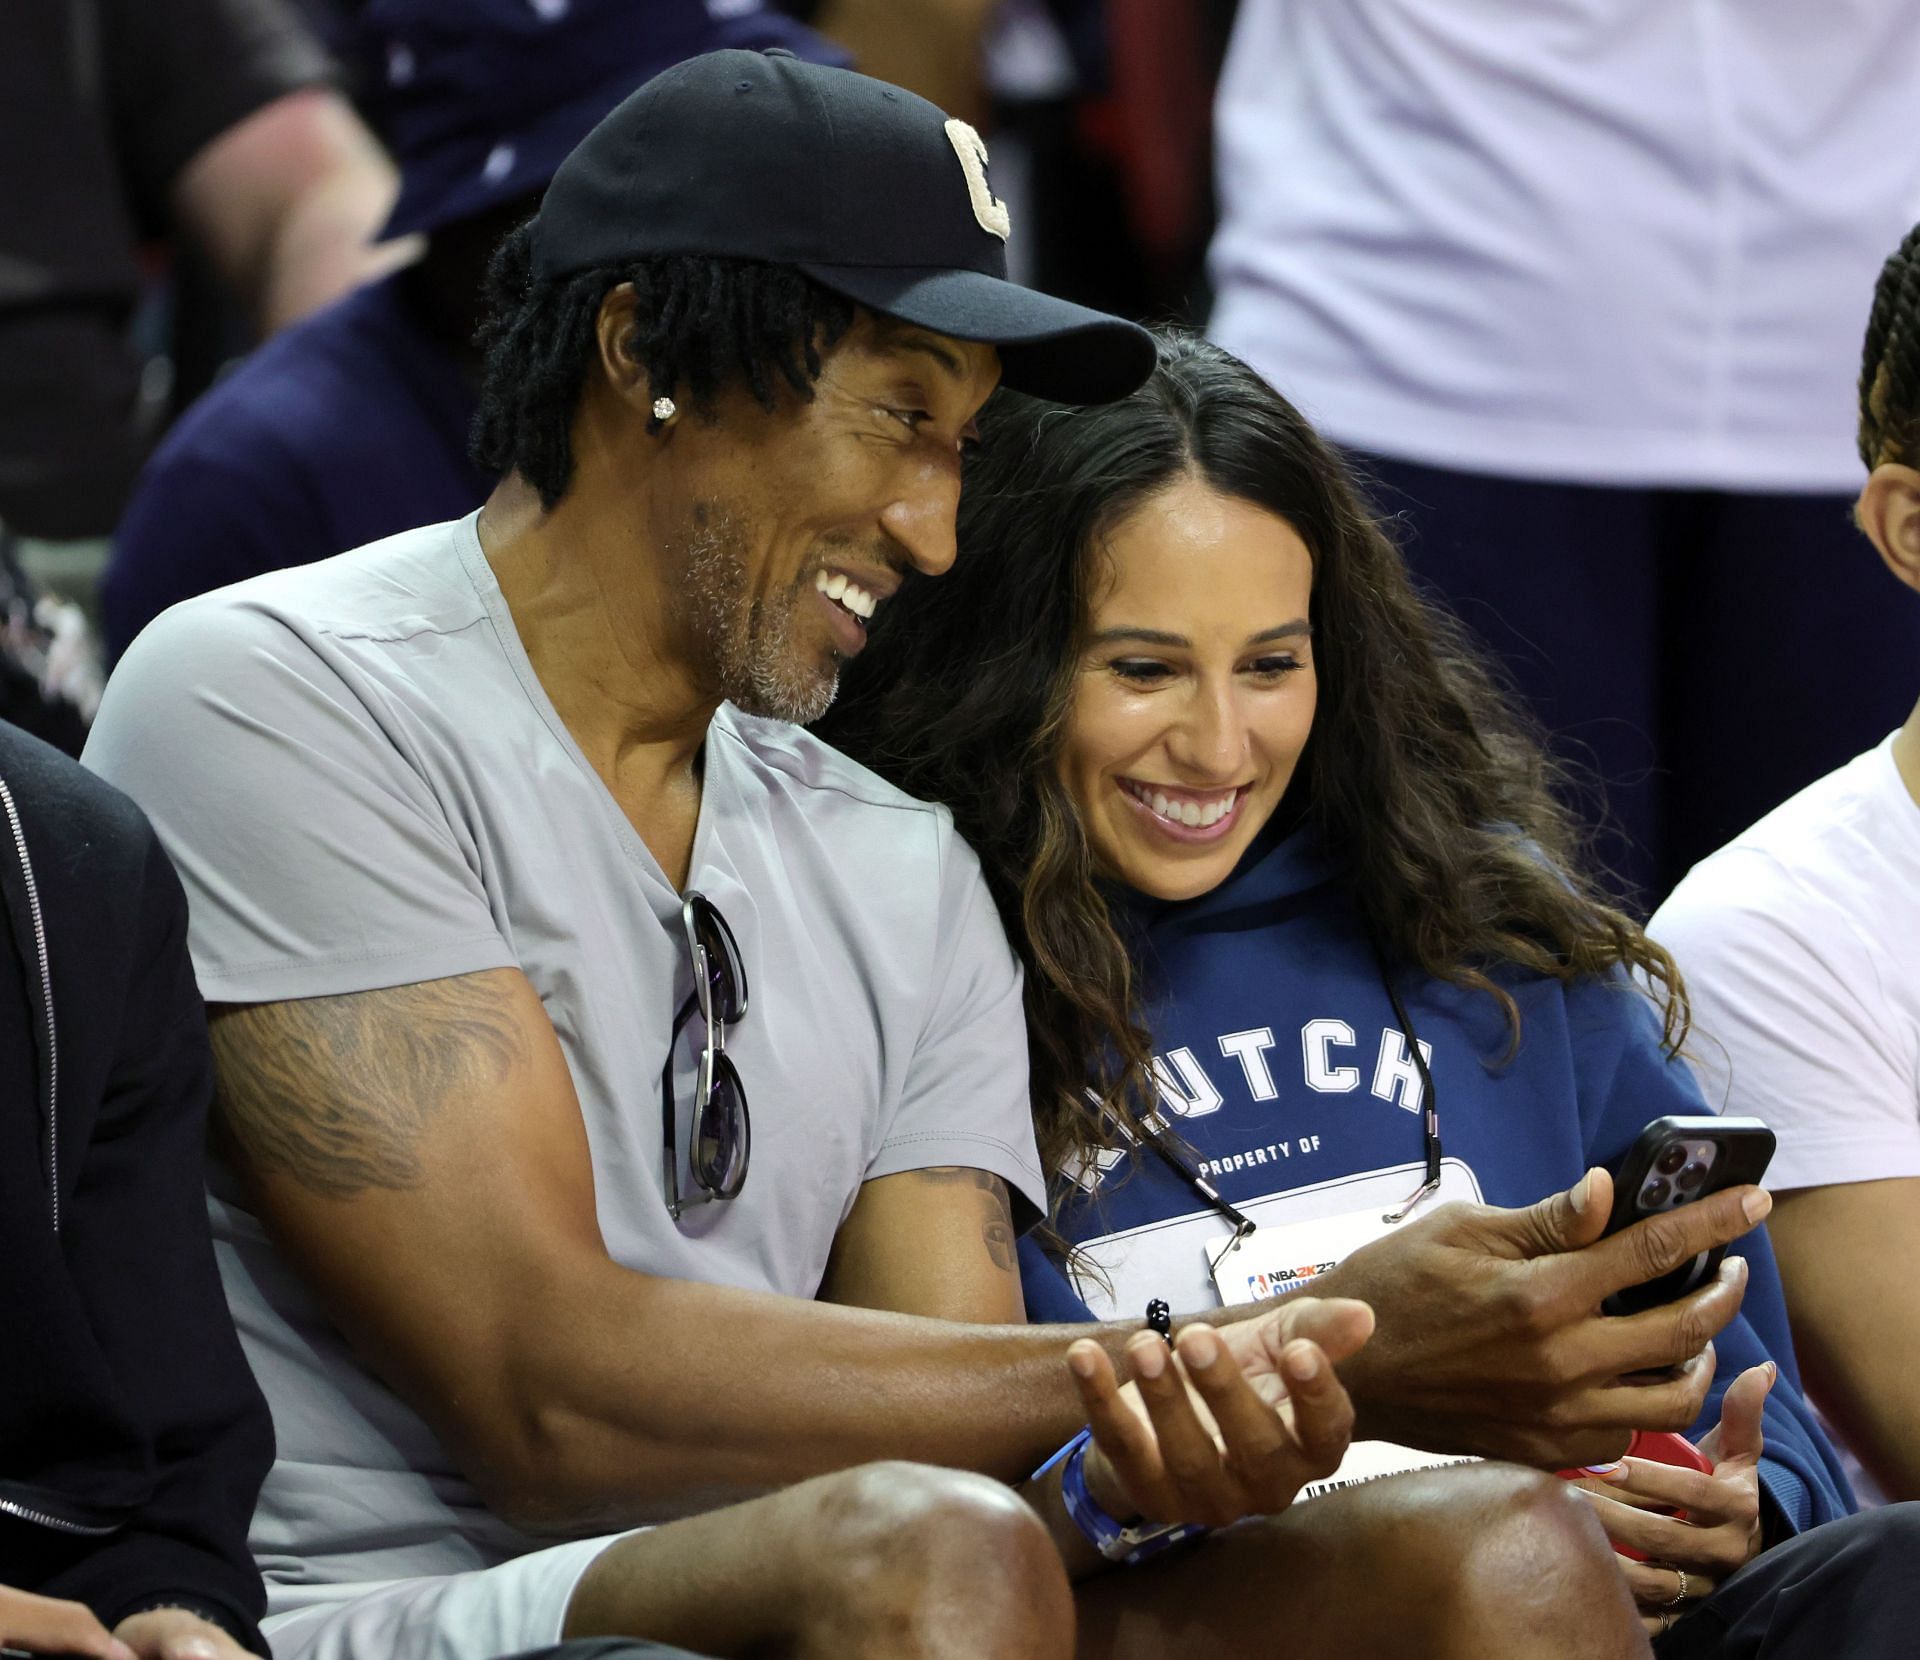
1745, 1146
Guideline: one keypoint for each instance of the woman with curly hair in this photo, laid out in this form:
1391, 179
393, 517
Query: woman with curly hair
1307, 948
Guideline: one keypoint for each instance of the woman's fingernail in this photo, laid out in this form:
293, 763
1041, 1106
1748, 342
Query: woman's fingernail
1303, 1364
1150, 1359
1603, 1469
1773, 1374
1080, 1358
1757, 1204
1583, 1192
1200, 1350
196, 1648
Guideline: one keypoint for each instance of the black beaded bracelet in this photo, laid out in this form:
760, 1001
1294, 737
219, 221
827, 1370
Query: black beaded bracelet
1160, 1319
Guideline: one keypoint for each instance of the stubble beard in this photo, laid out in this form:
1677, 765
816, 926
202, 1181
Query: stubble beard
748, 642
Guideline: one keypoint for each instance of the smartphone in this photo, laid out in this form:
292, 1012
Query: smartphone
1675, 1162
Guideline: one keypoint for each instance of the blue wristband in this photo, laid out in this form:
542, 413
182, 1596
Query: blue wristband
1113, 1540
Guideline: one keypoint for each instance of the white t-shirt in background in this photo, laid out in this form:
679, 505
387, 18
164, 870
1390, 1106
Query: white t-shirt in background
1625, 242
1800, 943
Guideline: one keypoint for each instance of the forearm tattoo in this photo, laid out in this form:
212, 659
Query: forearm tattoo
338, 1092
996, 1214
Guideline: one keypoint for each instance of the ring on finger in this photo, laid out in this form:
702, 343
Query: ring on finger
1681, 1591
1667, 1619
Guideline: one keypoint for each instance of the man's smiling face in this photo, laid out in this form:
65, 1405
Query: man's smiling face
785, 530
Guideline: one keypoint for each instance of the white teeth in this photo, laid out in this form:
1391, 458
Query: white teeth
1190, 813
848, 594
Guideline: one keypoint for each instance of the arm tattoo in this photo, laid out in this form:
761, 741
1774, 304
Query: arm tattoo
996, 1215
337, 1092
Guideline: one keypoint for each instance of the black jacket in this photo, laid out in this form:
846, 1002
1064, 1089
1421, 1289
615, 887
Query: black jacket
133, 1439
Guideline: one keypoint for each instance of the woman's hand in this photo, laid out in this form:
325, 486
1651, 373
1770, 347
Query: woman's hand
1686, 1561
1231, 1422
176, 1634
50, 1627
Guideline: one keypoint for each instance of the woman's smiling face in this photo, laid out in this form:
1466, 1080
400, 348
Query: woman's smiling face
1195, 691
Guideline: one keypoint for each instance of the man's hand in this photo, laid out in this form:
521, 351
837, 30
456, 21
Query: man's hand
1687, 1561
1490, 1337
1231, 1423
175, 1634
47, 1626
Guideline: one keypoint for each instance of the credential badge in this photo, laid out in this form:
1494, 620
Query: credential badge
972, 151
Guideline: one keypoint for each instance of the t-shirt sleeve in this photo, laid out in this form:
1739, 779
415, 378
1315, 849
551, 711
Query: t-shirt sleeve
168, 98
1784, 994
316, 858
965, 1100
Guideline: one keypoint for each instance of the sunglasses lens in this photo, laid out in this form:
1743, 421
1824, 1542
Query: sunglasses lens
726, 979
722, 1137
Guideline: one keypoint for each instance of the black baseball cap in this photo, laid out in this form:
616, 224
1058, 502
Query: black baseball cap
867, 188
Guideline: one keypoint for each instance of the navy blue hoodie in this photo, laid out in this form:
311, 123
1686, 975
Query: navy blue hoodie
1284, 1070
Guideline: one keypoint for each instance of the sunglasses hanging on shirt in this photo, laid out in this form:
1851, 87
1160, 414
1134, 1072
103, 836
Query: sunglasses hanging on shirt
722, 1133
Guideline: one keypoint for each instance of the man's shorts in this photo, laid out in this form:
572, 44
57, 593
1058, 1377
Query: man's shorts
481, 1615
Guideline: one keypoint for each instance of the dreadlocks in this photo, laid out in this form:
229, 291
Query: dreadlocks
1890, 362
701, 324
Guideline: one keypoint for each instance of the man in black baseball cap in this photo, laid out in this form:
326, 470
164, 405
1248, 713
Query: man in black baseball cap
870, 191
512, 880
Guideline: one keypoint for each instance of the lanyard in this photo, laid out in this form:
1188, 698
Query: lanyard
1429, 1132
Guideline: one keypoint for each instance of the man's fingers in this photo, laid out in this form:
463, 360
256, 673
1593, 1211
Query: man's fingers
1657, 1245
1188, 1451
1562, 1221
1125, 1441
50, 1626
1322, 1409
1672, 1401
1658, 1338
1263, 1462
1339, 1326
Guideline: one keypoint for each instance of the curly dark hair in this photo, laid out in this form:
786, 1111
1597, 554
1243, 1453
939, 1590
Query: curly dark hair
1890, 361
704, 323
1459, 857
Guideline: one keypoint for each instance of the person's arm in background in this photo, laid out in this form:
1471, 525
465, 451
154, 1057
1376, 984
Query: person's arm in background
933, 48
229, 132
1627, 1081
1848, 1251
1785, 1034
286, 205
136, 1236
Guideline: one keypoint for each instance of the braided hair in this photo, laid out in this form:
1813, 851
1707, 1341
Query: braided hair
1890, 362
701, 323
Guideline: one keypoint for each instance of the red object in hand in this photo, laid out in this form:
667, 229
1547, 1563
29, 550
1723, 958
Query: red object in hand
1661, 1447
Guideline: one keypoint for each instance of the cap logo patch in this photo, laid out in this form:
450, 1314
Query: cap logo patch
972, 151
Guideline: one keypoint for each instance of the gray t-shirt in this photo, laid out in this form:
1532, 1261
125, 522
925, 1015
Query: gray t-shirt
364, 785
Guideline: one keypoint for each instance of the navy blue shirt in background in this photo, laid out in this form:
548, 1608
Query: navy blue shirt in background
345, 428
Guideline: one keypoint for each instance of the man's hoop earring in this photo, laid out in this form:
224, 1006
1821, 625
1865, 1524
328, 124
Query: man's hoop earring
664, 410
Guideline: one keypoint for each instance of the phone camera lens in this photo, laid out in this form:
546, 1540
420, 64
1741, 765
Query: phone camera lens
1689, 1179
1671, 1158
1654, 1194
